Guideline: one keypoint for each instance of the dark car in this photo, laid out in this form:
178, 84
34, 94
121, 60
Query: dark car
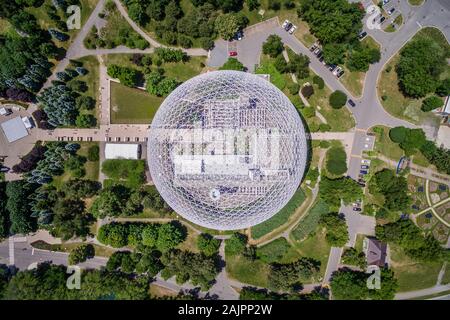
4, 169
351, 103
340, 73
363, 172
332, 67
288, 26
356, 209
382, 19
362, 35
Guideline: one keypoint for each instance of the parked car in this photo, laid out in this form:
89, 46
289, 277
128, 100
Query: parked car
317, 51
239, 35
356, 209
322, 59
364, 167
232, 53
337, 70
341, 73
385, 2
363, 172
382, 19
313, 47
320, 54
332, 67
4, 169
365, 161
351, 103
362, 35
391, 11
288, 26
292, 29
285, 23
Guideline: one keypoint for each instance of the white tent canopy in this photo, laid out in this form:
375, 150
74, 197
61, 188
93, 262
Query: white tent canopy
121, 151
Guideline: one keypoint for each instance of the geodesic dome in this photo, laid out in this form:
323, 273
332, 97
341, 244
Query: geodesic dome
227, 150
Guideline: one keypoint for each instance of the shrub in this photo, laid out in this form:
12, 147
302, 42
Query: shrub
93, 153
336, 161
81, 253
431, 103
308, 112
307, 91
319, 81
207, 244
293, 88
338, 99
236, 244
398, 134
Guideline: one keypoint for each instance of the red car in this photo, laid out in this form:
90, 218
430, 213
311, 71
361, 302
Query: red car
232, 53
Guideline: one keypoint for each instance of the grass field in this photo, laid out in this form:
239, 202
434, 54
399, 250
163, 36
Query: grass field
310, 222
315, 246
92, 79
281, 217
389, 92
266, 66
129, 172
413, 275
415, 2
244, 270
45, 22
446, 278
274, 251
384, 145
132, 106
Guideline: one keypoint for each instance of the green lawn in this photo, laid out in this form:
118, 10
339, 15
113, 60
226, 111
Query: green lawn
415, 2
130, 172
315, 246
266, 66
274, 251
309, 223
281, 217
384, 145
412, 275
392, 98
45, 22
446, 278
244, 270
132, 106
93, 80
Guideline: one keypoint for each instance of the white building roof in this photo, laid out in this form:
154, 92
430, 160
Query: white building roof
446, 108
121, 151
14, 129
26, 122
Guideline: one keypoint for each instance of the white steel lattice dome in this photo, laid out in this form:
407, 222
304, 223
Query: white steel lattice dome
227, 150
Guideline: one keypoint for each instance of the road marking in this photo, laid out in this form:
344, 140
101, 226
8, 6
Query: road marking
420, 26
356, 156
361, 130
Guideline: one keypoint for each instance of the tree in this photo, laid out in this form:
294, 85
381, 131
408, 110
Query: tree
78, 85
113, 234
440, 157
361, 57
299, 65
421, 62
347, 284
236, 244
80, 188
232, 64
353, 257
338, 99
58, 102
252, 4
333, 191
169, 236
81, 253
70, 219
431, 103
319, 81
443, 88
394, 189
127, 76
342, 22
334, 53
273, 46
288, 277
410, 238
18, 206
398, 134
227, 25
4, 218
207, 244
85, 102
85, 121
337, 234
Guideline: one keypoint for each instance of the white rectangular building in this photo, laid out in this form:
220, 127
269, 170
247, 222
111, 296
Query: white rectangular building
122, 151
14, 129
